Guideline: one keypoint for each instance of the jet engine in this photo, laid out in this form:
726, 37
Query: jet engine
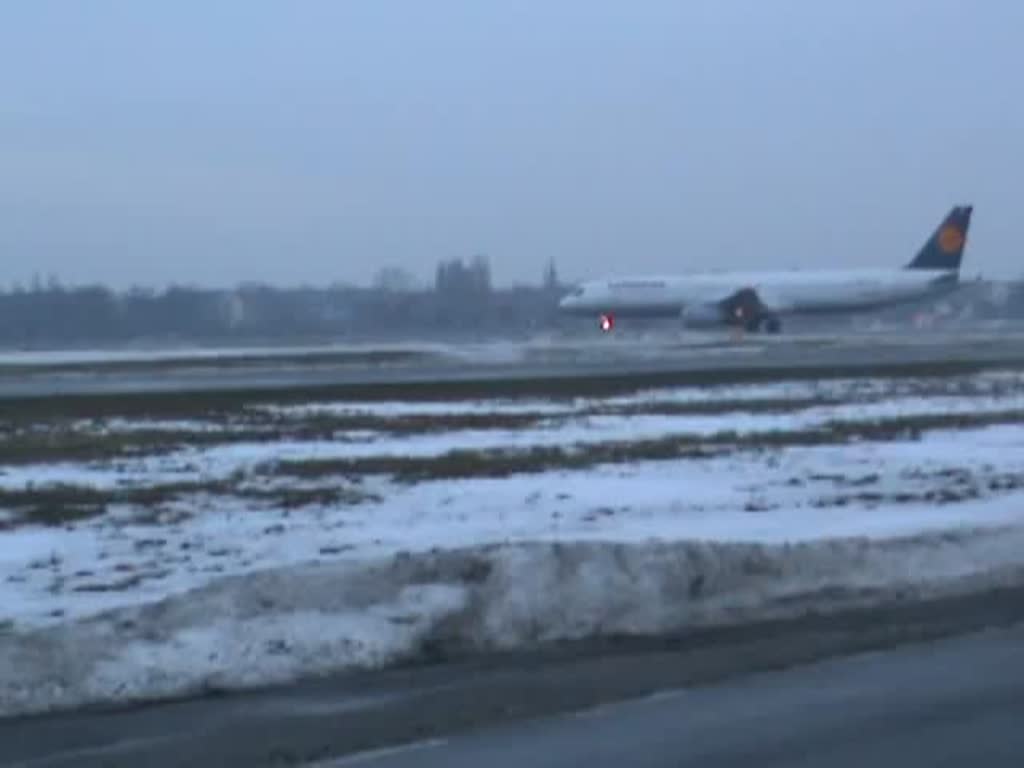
743, 309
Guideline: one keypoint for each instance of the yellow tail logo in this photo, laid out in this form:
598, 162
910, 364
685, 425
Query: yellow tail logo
951, 239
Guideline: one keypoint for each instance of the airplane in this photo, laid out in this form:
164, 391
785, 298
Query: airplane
759, 301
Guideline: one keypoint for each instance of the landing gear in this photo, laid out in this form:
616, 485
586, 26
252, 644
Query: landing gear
769, 324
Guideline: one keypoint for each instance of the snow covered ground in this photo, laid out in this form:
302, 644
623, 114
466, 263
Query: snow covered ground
217, 587
868, 489
576, 423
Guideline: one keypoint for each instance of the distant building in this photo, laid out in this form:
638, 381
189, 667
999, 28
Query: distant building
234, 310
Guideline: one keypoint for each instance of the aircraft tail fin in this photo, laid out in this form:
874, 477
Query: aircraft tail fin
945, 248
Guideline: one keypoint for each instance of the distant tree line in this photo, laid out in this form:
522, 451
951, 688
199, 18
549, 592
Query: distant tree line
462, 301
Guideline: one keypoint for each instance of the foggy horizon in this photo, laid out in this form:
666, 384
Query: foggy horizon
318, 143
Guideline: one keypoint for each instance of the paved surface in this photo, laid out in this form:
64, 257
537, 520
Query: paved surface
959, 702
926, 693
523, 367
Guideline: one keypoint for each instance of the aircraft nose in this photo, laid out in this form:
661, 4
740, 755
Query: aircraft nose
569, 303
573, 300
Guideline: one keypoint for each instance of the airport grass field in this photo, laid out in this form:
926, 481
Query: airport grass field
159, 544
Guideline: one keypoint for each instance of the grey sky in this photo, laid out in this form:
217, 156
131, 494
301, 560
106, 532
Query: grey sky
218, 141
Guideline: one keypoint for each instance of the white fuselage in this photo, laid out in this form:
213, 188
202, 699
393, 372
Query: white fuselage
783, 293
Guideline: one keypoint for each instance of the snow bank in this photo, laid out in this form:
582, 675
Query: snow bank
280, 625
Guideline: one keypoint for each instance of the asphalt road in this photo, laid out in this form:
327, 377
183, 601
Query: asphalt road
524, 369
936, 683
953, 703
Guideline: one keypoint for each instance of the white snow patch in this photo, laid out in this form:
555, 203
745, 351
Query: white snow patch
122, 473
162, 425
386, 409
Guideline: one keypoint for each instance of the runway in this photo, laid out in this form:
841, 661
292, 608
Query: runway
952, 703
918, 685
504, 368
